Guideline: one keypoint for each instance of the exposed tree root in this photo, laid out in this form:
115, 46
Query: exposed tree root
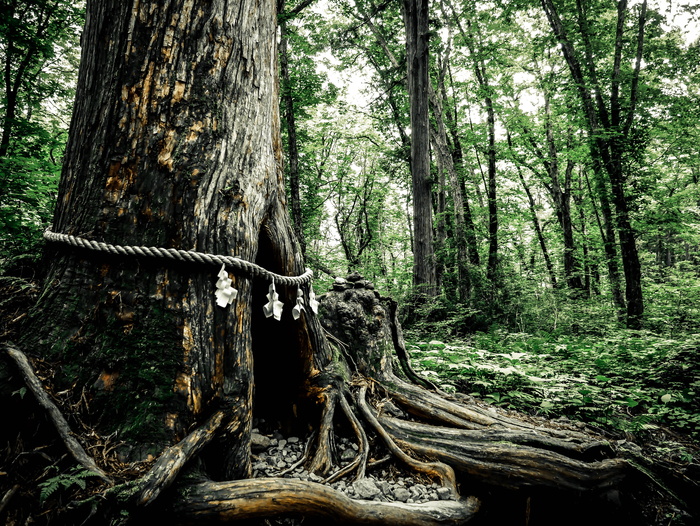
506, 462
442, 436
433, 469
170, 463
7, 497
304, 458
257, 498
322, 462
34, 385
400, 347
359, 464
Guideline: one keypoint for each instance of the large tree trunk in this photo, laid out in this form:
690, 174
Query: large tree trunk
174, 143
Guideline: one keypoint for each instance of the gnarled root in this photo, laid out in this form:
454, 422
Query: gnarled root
170, 463
359, 464
434, 469
256, 498
322, 462
505, 459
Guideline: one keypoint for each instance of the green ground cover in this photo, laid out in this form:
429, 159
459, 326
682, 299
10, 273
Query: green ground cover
626, 383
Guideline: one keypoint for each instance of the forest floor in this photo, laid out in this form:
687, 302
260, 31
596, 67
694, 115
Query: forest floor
634, 388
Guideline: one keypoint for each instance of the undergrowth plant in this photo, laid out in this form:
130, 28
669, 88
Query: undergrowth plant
74, 478
630, 382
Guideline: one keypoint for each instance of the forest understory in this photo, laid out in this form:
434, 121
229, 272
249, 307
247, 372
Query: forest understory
39, 481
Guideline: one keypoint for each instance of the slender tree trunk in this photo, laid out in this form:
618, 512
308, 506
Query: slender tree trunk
492, 265
458, 163
446, 166
562, 203
292, 147
607, 234
441, 231
536, 224
609, 132
479, 67
416, 23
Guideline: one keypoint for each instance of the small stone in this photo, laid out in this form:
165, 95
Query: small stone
360, 284
281, 443
417, 490
401, 494
293, 440
444, 493
281, 464
353, 276
366, 488
314, 478
259, 442
369, 285
385, 487
340, 284
347, 455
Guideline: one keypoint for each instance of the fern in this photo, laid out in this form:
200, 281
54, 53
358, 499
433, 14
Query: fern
75, 476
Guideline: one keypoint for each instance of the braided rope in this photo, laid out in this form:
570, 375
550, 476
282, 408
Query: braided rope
190, 256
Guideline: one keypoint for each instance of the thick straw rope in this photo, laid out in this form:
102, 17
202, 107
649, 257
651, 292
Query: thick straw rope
181, 255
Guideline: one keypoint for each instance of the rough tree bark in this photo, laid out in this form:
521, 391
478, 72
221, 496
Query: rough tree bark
175, 143
415, 13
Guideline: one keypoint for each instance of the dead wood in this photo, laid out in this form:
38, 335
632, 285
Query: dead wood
170, 463
273, 497
60, 423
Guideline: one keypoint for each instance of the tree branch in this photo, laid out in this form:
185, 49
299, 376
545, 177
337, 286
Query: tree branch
54, 413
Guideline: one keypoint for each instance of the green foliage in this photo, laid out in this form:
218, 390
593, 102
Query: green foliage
629, 381
70, 480
39, 46
28, 188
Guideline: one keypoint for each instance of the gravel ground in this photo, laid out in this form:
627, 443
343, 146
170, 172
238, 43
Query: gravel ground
273, 454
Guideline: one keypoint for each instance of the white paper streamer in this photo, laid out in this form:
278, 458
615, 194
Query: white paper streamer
273, 307
225, 293
296, 311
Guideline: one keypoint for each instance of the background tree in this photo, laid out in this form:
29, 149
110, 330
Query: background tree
416, 16
37, 42
610, 126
